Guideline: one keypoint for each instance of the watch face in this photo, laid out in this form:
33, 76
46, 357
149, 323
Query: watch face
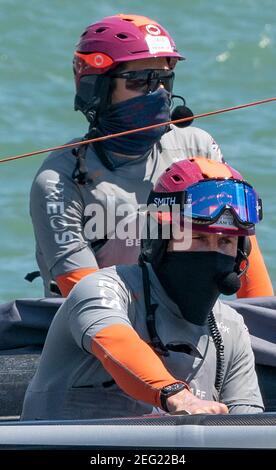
172, 389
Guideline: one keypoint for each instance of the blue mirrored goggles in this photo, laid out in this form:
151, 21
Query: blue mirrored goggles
206, 200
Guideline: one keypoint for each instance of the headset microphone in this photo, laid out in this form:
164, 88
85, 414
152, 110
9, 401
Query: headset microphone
180, 112
228, 284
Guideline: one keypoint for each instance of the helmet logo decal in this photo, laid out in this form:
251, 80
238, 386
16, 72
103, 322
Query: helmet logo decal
158, 44
153, 29
158, 201
98, 60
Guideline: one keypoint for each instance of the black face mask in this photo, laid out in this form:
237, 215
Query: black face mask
153, 108
194, 281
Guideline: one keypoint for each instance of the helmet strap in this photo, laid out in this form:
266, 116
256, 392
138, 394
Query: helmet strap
156, 342
80, 172
93, 96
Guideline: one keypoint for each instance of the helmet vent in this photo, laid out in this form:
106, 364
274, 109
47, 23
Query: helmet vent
101, 30
121, 36
177, 178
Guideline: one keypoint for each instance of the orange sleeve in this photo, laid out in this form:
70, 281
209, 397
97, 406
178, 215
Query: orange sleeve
256, 281
67, 281
135, 367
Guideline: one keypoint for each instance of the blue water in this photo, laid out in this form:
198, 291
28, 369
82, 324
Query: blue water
231, 59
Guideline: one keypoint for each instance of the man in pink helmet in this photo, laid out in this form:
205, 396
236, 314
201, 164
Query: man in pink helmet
123, 68
133, 340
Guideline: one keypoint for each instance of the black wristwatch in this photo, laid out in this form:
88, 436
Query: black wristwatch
168, 391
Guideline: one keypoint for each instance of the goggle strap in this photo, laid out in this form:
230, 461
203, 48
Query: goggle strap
213, 220
159, 199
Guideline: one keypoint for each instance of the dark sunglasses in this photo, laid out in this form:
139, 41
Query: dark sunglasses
147, 80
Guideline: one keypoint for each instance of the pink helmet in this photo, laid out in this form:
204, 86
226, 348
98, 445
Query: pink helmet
186, 174
182, 174
213, 194
108, 43
121, 38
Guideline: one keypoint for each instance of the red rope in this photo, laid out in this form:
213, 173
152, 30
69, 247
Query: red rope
132, 131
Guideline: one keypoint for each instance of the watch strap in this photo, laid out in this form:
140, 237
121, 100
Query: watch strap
170, 390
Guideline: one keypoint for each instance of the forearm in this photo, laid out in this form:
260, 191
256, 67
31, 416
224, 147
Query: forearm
138, 370
135, 367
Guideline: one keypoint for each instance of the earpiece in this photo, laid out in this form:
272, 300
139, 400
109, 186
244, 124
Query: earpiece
244, 250
247, 246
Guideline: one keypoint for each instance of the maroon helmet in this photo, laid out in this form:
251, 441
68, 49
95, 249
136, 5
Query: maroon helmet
108, 43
